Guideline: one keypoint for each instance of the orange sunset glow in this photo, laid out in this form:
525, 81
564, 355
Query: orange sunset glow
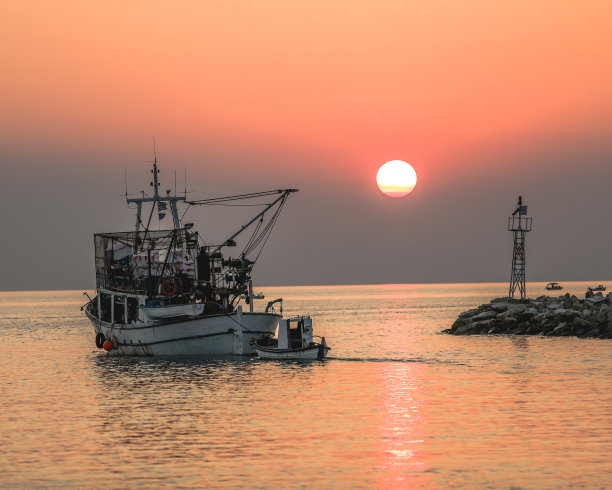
317, 95
461, 71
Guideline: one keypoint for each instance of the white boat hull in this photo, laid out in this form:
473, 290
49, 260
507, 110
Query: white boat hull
311, 353
215, 335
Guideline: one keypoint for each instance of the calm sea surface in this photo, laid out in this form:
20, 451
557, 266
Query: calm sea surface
397, 405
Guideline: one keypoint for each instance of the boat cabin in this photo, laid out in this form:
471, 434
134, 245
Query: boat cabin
295, 333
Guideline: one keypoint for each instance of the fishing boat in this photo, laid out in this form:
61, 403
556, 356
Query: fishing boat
554, 286
166, 292
601, 287
294, 342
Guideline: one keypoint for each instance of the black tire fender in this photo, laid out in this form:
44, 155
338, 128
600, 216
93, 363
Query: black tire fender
100, 340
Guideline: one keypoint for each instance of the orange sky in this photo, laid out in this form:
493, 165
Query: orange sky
307, 89
371, 77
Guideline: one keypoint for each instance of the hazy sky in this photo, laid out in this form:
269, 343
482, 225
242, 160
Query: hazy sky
486, 99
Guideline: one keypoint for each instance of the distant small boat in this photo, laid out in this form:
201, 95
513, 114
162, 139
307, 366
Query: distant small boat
601, 287
554, 286
292, 343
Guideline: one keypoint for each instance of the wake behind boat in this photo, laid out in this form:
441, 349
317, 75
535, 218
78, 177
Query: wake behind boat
167, 292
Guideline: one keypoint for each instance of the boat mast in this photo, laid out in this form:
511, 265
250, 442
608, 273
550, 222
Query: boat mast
171, 200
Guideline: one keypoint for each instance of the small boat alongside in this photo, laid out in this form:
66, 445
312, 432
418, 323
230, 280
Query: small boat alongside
294, 342
554, 286
165, 291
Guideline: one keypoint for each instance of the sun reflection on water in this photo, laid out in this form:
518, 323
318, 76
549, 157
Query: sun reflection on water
403, 458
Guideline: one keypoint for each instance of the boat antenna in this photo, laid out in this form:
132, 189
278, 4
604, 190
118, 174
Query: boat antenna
155, 185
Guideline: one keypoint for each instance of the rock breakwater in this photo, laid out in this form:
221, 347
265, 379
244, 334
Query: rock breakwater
545, 316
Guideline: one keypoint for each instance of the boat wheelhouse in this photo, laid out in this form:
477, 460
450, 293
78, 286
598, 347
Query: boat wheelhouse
167, 292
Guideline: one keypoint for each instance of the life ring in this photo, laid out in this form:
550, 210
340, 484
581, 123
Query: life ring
169, 287
100, 340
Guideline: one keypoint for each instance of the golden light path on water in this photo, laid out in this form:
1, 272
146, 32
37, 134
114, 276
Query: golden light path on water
396, 405
404, 458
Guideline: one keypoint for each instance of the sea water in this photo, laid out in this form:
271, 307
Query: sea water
397, 404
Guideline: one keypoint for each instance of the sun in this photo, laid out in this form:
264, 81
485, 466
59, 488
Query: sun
396, 178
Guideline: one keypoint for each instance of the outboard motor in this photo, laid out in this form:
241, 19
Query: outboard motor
321, 352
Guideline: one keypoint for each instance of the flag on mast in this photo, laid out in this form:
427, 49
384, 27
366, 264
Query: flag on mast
161, 208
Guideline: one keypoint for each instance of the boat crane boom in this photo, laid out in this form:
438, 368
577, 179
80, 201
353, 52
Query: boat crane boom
284, 193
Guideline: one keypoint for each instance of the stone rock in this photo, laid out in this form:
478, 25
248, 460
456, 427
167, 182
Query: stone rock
485, 315
500, 306
603, 313
500, 300
595, 298
468, 313
520, 330
561, 316
459, 322
461, 330
525, 315
508, 325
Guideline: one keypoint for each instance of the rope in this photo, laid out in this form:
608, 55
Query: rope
215, 200
265, 234
253, 236
236, 205
238, 323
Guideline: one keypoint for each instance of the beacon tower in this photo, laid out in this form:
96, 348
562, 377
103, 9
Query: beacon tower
519, 224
